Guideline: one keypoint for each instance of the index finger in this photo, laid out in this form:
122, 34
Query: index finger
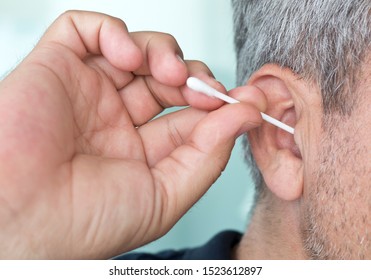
145, 97
95, 33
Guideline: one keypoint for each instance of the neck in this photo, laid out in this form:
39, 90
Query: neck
273, 233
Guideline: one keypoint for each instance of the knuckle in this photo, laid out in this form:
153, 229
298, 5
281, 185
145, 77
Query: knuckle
76, 14
117, 21
68, 14
168, 38
198, 66
174, 134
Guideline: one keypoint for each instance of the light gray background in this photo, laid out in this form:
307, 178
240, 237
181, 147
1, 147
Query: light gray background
204, 32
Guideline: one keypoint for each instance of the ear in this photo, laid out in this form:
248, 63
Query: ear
275, 150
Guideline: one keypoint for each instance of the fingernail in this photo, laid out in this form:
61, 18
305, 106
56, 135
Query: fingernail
180, 58
216, 84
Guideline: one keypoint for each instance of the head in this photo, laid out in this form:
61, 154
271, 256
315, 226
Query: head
312, 59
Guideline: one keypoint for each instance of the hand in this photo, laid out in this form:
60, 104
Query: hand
84, 172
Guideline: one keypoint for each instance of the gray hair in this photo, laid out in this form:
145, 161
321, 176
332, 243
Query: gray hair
322, 41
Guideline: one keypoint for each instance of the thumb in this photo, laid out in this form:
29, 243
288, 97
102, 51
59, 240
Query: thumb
187, 173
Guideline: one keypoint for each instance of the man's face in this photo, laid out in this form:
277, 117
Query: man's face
337, 193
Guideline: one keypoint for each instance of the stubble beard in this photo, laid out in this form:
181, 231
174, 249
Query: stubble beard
337, 210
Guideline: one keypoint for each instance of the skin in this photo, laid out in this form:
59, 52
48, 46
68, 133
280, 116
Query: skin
84, 173
337, 214
316, 202
79, 154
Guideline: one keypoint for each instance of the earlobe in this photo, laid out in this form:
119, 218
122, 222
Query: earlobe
284, 175
275, 151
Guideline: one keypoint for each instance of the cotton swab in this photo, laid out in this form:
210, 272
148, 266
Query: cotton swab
200, 86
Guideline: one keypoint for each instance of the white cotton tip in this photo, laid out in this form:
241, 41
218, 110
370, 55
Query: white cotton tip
200, 86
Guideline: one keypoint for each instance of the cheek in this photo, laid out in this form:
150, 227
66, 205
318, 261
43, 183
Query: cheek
337, 196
